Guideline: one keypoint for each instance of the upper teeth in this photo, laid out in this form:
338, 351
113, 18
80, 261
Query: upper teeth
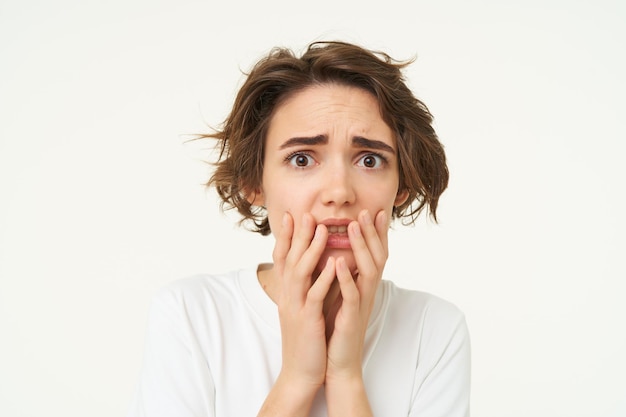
337, 229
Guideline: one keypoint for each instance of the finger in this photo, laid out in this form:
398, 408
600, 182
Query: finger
349, 292
382, 223
369, 271
301, 239
283, 241
364, 261
311, 256
375, 236
302, 269
318, 291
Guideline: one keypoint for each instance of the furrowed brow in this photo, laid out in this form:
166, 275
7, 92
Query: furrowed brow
307, 141
362, 142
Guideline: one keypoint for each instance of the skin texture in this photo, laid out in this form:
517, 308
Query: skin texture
330, 181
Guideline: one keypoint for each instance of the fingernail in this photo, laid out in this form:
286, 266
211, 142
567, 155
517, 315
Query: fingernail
366, 217
356, 229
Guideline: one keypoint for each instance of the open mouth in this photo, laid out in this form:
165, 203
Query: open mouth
337, 229
338, 234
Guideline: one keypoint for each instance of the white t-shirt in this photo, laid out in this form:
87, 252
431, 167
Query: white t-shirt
213, 349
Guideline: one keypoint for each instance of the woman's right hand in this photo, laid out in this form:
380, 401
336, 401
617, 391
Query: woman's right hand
300, 307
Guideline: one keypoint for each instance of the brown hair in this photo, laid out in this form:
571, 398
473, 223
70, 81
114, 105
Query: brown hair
279, 75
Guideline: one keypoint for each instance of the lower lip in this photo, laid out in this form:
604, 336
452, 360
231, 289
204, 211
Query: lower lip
338, 241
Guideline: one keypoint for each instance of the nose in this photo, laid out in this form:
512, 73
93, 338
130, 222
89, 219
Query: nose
337, 187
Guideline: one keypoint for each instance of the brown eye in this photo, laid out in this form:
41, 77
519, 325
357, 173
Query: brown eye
371, 161
300, 160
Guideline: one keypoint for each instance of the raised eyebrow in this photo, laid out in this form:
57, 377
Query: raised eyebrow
306, 141
362, 142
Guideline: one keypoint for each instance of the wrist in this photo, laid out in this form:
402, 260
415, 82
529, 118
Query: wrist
345, 382
346, 396
289, 397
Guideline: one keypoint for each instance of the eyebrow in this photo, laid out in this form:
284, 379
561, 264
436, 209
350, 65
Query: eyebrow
307, 141
357, 141
362, 142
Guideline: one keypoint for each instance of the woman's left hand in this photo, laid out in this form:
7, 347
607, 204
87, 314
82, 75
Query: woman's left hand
348, 320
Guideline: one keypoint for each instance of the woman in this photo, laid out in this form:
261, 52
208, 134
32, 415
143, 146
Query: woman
322, 151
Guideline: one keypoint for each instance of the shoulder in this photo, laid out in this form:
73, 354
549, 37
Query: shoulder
197, 285
433, 320
226, 284
420, 305
200, 295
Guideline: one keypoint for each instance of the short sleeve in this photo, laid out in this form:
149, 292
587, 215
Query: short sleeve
442, 384
175, 380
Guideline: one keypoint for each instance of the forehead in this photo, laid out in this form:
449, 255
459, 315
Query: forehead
324, 106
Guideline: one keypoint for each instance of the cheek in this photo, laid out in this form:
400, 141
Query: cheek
288, 196
296, 202
380, 197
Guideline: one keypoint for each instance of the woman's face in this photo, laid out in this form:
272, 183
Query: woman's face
329, 153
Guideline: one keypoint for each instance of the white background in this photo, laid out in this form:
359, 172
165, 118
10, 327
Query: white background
101, 200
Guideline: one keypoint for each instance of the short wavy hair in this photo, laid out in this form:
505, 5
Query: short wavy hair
423, 172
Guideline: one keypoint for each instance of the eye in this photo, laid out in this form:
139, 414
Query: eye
300, 160
371, 160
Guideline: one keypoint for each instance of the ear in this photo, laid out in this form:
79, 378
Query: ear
255, 197
401, 197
